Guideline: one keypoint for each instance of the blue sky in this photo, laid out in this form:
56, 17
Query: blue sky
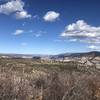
49, 26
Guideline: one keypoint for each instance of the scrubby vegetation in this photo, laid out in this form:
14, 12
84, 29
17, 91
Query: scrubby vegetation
22, 79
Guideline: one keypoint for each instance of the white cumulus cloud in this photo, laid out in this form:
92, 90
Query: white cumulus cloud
16, 7
51, 16
18, 32
11, 6
82, 32
22, 15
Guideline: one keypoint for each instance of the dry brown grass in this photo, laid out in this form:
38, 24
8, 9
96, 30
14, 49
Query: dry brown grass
48, 85
53, 86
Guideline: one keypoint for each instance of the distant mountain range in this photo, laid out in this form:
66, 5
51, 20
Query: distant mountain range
22, 55
92, 53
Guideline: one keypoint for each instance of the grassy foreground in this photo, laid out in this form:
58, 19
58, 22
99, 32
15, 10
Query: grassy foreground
26, 79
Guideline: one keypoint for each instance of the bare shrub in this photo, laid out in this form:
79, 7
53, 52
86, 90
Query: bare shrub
63, 85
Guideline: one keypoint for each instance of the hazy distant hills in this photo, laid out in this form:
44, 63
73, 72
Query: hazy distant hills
21, 55
93, 53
